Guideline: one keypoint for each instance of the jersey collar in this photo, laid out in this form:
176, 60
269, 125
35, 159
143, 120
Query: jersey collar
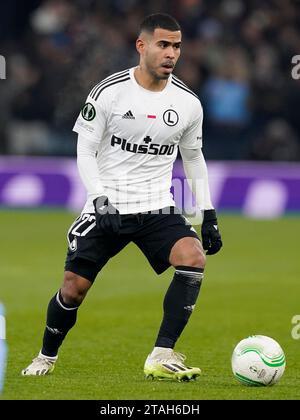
150, 92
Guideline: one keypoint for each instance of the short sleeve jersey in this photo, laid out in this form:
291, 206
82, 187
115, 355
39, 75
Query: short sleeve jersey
138, 133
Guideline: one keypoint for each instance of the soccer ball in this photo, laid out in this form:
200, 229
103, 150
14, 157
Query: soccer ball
258, 361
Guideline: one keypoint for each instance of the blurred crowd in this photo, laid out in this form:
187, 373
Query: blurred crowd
236, 55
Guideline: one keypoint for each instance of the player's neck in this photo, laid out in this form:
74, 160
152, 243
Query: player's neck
147, 81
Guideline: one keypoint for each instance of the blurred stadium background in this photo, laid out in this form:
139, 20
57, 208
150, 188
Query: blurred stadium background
237, 56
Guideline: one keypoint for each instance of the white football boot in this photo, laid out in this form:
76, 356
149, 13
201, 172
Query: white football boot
41, 365
166, 364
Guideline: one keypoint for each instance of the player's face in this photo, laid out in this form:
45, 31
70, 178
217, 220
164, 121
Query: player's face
161, 52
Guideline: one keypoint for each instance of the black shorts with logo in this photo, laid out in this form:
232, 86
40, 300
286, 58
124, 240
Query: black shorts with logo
155, 234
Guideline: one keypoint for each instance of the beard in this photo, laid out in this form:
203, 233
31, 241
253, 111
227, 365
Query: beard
158, 75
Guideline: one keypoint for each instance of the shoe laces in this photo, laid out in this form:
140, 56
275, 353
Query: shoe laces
42, 360
172, 356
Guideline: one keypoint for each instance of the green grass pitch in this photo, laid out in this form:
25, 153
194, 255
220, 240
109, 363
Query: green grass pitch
251, 287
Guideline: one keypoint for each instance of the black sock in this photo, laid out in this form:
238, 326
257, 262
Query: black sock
60, 319
179, 304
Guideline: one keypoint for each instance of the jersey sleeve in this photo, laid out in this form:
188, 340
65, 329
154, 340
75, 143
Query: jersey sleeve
192, 136
91, 121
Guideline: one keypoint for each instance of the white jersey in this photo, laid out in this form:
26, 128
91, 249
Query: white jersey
138, 132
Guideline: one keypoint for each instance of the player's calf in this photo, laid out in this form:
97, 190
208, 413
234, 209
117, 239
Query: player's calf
179, 304
61, 317
62, 312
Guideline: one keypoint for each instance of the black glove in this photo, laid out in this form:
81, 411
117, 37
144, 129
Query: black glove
107, 216
211, 237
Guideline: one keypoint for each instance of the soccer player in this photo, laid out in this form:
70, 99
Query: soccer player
129, 131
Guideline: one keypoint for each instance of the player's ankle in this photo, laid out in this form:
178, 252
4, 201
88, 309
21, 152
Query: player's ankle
159, 350
51, 358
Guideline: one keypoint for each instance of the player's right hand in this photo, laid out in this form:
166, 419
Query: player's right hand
107, 216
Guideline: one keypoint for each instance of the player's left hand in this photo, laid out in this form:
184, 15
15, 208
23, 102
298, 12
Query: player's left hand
107, 216
211, 237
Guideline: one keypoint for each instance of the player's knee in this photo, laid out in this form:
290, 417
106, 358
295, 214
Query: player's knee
188, 252
74, 290
197, 259
72, 296
193, 257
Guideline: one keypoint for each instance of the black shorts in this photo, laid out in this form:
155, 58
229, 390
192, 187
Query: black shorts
155, 234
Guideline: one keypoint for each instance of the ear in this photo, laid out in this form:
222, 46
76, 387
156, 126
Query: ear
140, 45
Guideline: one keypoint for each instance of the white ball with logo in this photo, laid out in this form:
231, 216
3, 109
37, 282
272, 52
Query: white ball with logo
258, 361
